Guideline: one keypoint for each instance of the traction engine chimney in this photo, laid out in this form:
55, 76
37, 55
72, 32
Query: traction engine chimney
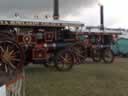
56, 10
102, 17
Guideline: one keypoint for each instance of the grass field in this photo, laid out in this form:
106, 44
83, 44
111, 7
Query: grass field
82, 80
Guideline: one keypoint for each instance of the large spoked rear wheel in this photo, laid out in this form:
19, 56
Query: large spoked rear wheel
11, 56
108, 56
64, 60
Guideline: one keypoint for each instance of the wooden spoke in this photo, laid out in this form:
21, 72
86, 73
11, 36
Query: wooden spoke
10, 63
6, 68
2, 49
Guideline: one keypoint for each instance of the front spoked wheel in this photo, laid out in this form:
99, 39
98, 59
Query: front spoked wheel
64, 60
11, 56
81, 53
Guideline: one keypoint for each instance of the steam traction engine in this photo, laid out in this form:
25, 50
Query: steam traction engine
96, 44
44, 42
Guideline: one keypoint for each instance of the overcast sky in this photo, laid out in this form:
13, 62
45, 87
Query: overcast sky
86, 11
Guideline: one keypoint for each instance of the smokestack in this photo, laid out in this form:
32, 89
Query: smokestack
56, 10
102, 17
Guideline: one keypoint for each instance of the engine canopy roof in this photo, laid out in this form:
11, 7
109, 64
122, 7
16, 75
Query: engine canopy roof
38, 22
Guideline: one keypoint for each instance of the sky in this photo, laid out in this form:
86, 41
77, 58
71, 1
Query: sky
86, 11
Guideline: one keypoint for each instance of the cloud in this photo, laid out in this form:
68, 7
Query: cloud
86, 11
115, 14
41, 6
